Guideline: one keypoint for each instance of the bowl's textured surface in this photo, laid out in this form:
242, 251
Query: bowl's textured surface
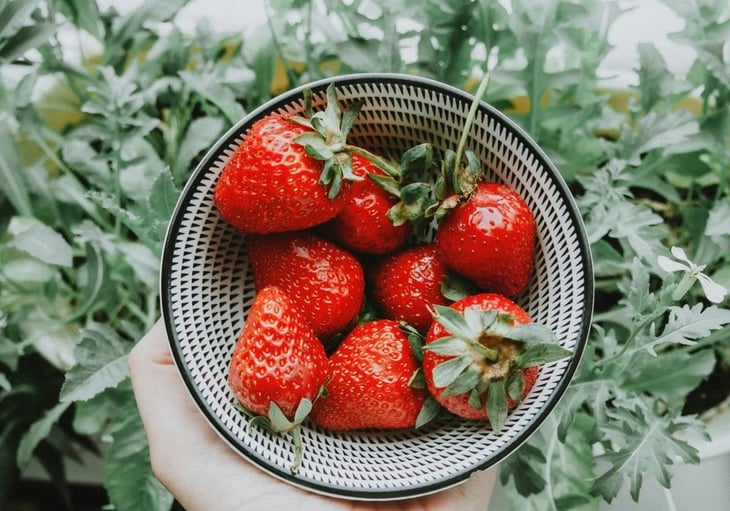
207, 287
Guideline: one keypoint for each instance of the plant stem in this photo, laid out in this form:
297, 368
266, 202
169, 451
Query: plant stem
470, 121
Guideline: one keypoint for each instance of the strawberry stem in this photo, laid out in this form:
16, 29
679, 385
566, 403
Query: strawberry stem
470, 121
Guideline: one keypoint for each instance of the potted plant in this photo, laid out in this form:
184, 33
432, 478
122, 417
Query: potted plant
96, 144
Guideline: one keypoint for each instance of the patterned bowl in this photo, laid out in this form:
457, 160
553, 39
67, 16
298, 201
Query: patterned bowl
207, 288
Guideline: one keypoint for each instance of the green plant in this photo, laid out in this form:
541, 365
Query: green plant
95, 147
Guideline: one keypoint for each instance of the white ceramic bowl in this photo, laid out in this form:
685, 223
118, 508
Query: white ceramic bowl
207, 288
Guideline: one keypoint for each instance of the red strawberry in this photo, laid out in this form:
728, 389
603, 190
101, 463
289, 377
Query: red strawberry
278, 365
290, 173
490, 239
326, 282
368, 384
272, 185
363, 225
481, 356
405, 284
277, 356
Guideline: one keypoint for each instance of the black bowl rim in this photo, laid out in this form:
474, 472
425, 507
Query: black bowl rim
316, 87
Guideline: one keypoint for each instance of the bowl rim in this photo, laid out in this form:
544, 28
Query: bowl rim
317, 86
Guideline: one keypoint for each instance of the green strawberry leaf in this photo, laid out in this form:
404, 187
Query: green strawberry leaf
454, 322
302, 411
428, 412
447, 346
540, 353
446, 372
516, 385
532, 332
464, 382
497, 404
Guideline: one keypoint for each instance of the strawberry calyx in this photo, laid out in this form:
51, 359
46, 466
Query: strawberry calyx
276, 422
327, 140
430, 409
486, 353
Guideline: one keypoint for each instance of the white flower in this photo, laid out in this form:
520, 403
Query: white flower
713, 291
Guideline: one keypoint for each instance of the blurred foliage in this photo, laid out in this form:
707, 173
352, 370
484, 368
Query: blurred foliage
105, 114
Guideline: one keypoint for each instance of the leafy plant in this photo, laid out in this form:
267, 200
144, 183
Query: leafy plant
95, 146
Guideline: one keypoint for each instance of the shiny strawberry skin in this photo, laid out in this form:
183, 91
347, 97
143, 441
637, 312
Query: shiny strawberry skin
490, 239
271, 184
277, 356
368, 385
325, 281
458, 404
406, 283
362, 225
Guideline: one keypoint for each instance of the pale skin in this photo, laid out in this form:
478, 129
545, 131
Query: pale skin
205, 474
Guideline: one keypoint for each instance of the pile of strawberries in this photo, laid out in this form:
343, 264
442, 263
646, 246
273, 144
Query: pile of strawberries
364, 317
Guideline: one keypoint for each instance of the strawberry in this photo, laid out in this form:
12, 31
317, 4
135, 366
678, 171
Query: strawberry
326, 282
369, 381
405, 284
290, 173
272, 185
363, 225
278, 365
482, 354
490, 239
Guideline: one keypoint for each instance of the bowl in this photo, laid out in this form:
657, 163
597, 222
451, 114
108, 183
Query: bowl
207, 289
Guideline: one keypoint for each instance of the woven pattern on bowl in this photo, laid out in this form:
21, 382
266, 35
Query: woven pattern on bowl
207, 289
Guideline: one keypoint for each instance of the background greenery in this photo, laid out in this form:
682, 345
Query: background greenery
96, 145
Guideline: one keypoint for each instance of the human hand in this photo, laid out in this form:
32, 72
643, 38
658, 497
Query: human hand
205, 474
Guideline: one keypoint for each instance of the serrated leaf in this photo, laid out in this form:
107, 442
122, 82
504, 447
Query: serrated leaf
38, 432
45, 244
670, 376
686, 324
642, 443
199, 136
128, 477
101, 362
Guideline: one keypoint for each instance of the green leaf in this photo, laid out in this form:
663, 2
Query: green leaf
128, 477
86, 16
38, 432
447, 346
454, 322
26, 39
523, 468
45, 244
464, 382
101, 362
12, 184
533, 333
144, 262
497, 404
541, 353
686, 325
670, 376
643, 443
199, 136
447, 371
428, 412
